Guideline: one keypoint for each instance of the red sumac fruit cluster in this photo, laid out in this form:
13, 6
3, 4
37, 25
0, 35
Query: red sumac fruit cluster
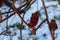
34, 19
52, 25
1, 2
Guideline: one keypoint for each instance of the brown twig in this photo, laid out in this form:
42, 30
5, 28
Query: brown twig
29, 5
40, 24
3, 32
21, 31
45, 11
17, 12
7, 17
14, 13
25, 4
52, 34
21, 28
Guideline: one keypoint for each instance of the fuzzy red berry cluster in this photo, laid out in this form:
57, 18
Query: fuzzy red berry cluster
34, 19
1, 2
52, 25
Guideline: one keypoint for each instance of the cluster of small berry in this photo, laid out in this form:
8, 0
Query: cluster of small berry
52, 25
34, 19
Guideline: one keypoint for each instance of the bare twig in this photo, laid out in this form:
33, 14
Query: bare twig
29, 5
7, 12
13, 13
52, 34
7, 17
40, 24
21, 28
3, 32
17, 12
25, 4
45, 11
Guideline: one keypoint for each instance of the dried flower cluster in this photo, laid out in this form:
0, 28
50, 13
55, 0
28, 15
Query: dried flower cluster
53, 25
34, 19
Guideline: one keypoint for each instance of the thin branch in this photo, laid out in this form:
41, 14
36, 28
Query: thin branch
21, 28
52, 34
7, 12
3, 32
25, 4
7, 22
12, 14
21, 31
8, 35
22, 6
29, 5
41, 24
7, 17
17, 12
45, 11
18, 8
